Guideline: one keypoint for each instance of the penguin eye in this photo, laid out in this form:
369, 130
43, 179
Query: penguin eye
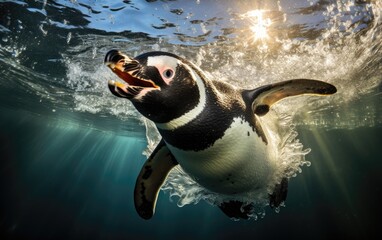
169, 73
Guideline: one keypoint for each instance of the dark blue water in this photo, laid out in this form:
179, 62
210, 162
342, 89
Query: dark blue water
70, 152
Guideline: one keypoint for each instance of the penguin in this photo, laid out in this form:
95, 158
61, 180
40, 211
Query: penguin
212, 129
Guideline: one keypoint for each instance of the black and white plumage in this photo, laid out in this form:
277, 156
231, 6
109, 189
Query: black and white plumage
211, 128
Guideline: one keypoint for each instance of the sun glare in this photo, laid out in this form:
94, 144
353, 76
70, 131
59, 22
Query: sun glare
259, 24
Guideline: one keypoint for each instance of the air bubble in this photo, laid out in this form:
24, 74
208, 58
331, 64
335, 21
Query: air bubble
44, 32
68, 37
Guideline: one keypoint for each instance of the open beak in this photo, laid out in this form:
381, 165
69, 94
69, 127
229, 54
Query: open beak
129, 71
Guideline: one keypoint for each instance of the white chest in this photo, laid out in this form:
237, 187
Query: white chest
237, 162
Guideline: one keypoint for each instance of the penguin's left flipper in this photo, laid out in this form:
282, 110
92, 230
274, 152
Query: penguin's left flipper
262, 98
279, 194
153, 173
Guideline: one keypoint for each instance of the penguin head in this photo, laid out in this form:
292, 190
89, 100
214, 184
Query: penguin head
162, 86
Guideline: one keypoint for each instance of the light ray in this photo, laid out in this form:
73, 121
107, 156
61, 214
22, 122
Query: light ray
259, 24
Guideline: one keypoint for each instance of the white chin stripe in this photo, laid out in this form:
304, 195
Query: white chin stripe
192, 114
141, 95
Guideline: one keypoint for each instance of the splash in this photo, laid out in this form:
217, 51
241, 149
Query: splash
333, 51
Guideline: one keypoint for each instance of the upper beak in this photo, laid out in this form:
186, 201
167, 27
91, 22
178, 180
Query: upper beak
113, 56
130, 71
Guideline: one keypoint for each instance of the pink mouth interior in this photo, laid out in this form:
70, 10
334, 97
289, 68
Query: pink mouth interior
130, 79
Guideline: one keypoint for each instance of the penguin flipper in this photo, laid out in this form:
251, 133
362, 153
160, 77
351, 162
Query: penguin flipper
279, 194
236, 209
153, 173
262, 98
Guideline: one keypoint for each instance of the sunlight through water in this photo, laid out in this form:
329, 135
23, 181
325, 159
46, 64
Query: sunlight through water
259, 24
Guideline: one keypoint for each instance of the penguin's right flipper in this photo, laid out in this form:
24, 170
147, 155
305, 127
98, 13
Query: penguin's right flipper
153, 173
262, 98
236, 209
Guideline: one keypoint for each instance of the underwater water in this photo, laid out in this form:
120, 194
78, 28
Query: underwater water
70, 151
